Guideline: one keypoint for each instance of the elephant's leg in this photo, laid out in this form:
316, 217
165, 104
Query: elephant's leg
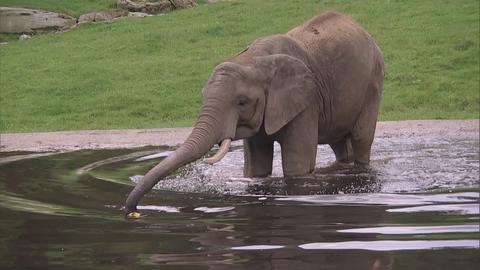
258, 155
343, 150
299, 141
364, 130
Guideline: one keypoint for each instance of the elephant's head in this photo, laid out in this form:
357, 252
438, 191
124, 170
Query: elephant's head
237, 101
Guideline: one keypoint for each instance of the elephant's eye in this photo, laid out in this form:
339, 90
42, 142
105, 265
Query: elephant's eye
242, 100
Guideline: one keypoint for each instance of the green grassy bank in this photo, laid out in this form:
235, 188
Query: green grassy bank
148, 72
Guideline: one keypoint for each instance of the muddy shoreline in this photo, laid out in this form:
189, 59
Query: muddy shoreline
132, 138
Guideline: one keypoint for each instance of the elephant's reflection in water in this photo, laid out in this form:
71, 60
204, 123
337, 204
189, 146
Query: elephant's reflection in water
286, 225
331, 180
288, 259
242, 238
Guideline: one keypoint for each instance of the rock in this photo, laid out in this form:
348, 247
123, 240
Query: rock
183, 3
23, 20
154, 6
24, 37
101, 16
138, 14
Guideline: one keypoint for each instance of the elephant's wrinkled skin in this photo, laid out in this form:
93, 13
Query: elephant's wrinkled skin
320, 83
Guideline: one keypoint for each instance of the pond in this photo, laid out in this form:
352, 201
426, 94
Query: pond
417, 208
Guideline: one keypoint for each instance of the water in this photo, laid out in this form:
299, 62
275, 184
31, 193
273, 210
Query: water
418, 208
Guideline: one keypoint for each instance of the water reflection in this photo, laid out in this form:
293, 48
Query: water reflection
394, 245
473, 228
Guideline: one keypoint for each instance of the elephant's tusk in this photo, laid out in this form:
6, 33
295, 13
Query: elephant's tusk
220, 154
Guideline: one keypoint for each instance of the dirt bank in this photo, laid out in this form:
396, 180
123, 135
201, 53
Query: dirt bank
130, 138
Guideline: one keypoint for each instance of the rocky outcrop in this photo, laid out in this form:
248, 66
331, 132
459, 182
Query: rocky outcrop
23, 20
154, 6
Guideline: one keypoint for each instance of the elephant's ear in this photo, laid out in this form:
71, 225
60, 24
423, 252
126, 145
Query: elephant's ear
292, 89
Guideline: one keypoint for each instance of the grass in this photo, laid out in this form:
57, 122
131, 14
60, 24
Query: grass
71, 7
148, 72
9, 37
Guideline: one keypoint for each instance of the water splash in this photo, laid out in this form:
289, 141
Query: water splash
404, 165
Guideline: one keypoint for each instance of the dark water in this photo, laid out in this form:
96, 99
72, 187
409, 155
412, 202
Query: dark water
418, 208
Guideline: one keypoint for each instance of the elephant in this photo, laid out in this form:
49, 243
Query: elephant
320, 83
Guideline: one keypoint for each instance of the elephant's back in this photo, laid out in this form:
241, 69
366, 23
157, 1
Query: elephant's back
331, 35
326, 26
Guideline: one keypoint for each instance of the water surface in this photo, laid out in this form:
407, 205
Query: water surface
418, 208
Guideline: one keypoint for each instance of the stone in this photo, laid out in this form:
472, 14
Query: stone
101, 16
183, 3
138, 14
23, 20
154, 6
24, 37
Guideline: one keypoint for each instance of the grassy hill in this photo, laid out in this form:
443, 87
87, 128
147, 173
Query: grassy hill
148, 72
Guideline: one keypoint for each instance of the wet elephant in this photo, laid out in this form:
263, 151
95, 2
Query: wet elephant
320, 83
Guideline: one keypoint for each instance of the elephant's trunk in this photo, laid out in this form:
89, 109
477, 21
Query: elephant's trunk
206, 133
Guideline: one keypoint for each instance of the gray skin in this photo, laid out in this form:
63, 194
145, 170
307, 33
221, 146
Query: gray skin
320, 83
